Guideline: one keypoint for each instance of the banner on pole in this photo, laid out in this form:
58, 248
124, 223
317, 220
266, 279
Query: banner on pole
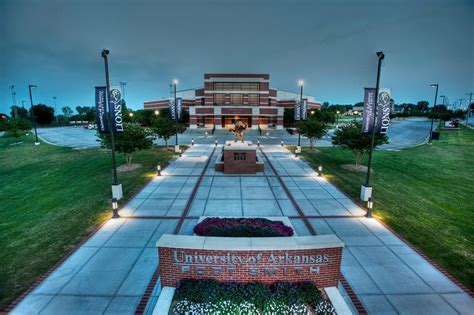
115, 108
179, 107
383, 111
369, 110
100, 109
301, 110
172, 109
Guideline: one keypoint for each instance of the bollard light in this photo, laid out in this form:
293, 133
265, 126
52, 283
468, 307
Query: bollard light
179, 152
206, 134
370, 205
215, 142
282, 143
258, 142
320, 170
192, 142
115, 208
158, 170
268, 134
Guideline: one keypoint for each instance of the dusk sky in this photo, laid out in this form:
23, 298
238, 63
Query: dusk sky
330, 44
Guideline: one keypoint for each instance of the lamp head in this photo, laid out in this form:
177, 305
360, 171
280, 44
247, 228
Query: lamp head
434, 85
380, 55
300, 82
32, 86
105, 52
175, 81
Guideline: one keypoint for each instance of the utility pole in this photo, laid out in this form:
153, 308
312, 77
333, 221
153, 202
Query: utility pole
122, 88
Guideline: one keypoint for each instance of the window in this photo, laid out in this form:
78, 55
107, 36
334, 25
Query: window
236, 86
253, 99
219, 99
236, 99
240, 156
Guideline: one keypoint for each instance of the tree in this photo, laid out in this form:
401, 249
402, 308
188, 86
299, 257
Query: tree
43, 114
133, 138
163, 128
350, 137
325, 115
312, 129
422, 106
21, 111
67, 111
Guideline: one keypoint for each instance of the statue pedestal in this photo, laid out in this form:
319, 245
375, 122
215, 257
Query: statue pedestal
239, 158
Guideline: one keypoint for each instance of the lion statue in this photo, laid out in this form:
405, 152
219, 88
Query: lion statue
238, 130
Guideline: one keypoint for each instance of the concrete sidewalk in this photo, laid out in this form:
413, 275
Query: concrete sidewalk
110, 272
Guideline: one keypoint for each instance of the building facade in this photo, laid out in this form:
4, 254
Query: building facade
226, 98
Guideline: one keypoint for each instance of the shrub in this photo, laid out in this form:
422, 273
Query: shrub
242, 227
212, 297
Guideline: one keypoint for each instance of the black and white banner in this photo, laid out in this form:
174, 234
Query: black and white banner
115, 106
369, 110
100, 109
176, 110
301, 110
383, 111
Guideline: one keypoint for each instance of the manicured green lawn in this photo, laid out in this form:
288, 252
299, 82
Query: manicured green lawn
50, 198
425, 193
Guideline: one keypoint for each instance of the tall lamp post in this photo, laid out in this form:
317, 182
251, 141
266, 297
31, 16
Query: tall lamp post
366, 189
15, 109
55, 109
176, 146
337, 119
468, 107
444, 97
116, 186
436, 85
31, 86
301, 84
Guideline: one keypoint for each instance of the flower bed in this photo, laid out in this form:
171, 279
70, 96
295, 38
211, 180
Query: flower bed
242, 227
212, 297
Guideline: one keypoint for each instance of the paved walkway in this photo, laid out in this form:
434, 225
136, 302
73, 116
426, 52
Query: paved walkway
110, 272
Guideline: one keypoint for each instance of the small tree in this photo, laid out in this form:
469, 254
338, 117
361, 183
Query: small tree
313, 130
43, 114
163, 128
133, 138
349, 136
67, 111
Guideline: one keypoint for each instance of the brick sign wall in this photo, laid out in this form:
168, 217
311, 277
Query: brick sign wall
320, 265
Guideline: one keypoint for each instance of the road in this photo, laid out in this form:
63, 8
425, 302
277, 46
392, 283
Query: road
402, 134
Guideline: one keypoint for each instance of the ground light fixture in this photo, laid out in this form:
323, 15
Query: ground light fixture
158, 170
115, 214
215, 142
206, 134
370, 206
436, 85
268, 134
179, 152
192, 142
320, 170
258, 142
281, 142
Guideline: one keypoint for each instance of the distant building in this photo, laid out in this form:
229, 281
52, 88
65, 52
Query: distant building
226, 98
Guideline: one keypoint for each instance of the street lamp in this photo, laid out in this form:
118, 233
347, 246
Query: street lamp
337, 118
31, 86
301, 84
436, 85
444, 98
176, 146
15, 109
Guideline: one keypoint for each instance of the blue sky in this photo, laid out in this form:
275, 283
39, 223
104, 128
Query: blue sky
330, 44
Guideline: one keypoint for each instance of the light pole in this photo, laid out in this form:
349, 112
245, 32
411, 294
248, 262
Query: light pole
366, 189
444, 98
176, 146
468, 107
301, 84
116, 186
55, 109
23, 103
31, 86
436, 85
15, 109
337, 119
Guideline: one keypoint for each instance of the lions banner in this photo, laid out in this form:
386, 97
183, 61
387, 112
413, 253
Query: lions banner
115, 106
176, 109
383, 111
101, 109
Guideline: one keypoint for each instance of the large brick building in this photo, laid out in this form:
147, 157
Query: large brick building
228, 97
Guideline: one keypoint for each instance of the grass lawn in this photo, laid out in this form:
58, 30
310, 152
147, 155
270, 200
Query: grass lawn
425, 193
51, 197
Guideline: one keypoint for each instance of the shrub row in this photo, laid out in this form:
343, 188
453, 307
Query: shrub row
242, 227
213, 297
